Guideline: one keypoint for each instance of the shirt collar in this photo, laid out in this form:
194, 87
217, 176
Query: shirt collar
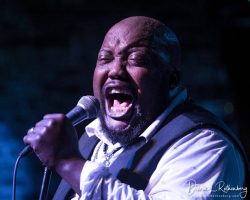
179, 96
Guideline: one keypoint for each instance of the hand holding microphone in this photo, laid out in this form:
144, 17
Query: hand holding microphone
54, 137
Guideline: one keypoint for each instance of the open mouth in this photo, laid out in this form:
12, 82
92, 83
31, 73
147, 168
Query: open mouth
119, 102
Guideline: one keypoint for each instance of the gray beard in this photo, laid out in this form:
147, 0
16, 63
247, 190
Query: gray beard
127, 135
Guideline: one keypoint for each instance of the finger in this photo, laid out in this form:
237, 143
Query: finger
31, 138
45, 122
33, 141
53, 116
31, 130
37, 130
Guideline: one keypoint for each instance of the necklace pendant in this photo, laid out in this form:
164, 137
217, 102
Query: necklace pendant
107, 162
108, 156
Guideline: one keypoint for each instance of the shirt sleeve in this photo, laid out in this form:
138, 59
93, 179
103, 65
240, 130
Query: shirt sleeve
201, 165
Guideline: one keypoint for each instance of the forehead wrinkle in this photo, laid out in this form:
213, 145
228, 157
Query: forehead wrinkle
122, 46
122, 37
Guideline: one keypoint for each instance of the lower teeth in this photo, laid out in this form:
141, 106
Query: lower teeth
118, 109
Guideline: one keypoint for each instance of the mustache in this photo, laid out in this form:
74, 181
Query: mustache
118, 84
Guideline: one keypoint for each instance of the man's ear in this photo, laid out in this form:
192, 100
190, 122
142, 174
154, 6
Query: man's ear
172, 84
174, 79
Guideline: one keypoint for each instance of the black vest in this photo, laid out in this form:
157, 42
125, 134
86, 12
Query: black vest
139, 160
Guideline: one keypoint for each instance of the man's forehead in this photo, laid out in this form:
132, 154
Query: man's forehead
124, 36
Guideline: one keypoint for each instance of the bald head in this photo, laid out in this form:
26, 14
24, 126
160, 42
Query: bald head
148, 30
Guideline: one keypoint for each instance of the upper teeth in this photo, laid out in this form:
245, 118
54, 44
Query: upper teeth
118, 91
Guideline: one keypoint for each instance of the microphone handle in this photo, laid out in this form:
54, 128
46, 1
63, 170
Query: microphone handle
77, 115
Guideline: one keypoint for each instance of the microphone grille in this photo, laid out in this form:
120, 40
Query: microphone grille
90, 104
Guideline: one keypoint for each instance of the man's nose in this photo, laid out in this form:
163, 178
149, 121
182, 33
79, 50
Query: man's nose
118, 70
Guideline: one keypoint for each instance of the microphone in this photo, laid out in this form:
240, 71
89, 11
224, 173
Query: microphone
86, 108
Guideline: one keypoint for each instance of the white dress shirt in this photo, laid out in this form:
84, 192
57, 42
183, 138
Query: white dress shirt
202, 165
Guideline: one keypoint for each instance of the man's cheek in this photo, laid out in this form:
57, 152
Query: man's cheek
97, 90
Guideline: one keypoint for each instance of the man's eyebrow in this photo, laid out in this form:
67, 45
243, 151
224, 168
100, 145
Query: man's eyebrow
105, 50
144, 42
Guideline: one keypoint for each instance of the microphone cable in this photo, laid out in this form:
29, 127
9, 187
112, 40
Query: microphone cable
23, 153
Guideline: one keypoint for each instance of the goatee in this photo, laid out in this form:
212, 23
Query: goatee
128, 134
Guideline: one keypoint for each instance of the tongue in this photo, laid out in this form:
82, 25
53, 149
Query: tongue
118, 104
119, 107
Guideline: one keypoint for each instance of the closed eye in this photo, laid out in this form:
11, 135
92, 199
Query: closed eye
140, 56
104, 57
139, 60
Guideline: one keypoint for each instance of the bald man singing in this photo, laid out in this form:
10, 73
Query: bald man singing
149, 141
